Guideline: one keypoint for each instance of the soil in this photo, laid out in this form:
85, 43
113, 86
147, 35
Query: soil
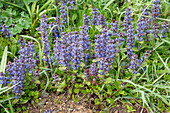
63, 104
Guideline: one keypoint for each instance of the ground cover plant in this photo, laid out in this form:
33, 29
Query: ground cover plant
102, 52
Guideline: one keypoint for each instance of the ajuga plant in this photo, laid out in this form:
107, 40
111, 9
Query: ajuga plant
97, 61
18, 70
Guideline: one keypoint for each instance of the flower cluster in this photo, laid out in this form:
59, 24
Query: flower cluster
102, 21
144, 57
165, 29
134, 64
76, 55
95, 14
111, 51
44, 37
155, 10
146, 28
140, 29
19, 68
104, 66
127, 19
4, 80
130, 36
86, 20
56, 78
114, 27
155, 30
71, 4
63, 15
84, 43
119, 40
6, 32
57, 28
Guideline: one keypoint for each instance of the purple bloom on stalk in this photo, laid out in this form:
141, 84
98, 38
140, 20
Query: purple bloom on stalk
64, 56
140, 29
164, 29
56, 79
155, 10
57, 49
155, 30
114, 27
129, 52
104, 66
111, 51
144, 57
94, 14
84, 43
93, 70
56, 30
4, 80
86, 20
130, 36
119, 40
6, 32
127, 19
71, 4
63, 15
76, 55
146, 28
134, 64
102, 21
44, 38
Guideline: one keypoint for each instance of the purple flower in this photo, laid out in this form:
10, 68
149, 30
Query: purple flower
140, 29
111, 51
94, 14
130, 36
71, 4
155, 30
48, 111
134, 64
84, 43
86, 20
4, 80
102, 21
75, 55
63, 15
129, 52
119, 40
93, 70
164, 29
144, 57
114, 27
127, 19
44, 38
6, 32
155, 10
146, 28
104, 66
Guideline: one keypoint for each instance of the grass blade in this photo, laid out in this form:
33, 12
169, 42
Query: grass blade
4, 60
4, 108
110, 2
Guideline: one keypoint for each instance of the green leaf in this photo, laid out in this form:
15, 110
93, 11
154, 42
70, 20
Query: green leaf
60, 90
109, 80
76, 90
74, 17
110, 100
